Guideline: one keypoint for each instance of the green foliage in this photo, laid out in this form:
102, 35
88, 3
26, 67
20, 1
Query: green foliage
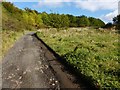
8, 39
64, 21
96, 22
55, 20
11, 21
91, 52
83, 21
45, 18
28, 10
72, 21
11, 8
16, 19
108, 25
36, 20
39, 21
116, 21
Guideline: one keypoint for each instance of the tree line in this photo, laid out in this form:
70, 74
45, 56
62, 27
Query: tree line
33, 18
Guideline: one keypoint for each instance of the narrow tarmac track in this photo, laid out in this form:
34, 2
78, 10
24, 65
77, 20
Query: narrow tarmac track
30, 64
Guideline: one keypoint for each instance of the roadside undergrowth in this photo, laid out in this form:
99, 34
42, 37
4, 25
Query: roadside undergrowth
93, 53
8, 39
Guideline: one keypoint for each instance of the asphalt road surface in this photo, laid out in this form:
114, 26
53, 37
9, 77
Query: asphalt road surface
30, 64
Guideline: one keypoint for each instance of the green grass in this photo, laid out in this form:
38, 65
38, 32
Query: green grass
8, 39
94, 53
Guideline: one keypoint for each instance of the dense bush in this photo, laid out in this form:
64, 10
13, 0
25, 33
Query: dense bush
108, 25
58, 21
72, 21
11, 8
116, 21
82, 21
96, 22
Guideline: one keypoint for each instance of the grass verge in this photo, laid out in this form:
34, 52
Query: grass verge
93, 53
8, 39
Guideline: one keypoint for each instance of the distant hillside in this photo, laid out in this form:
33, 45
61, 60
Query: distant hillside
17, 19
12, 18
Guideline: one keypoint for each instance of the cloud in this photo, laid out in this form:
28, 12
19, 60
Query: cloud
90, 5
109, 16
119, 7
53, 3
95, 5
49, 3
